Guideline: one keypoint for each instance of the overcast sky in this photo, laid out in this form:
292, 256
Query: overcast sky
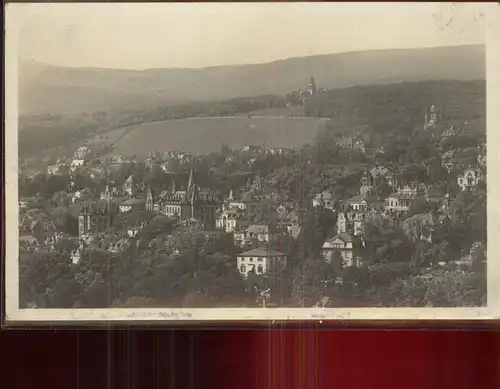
138, 36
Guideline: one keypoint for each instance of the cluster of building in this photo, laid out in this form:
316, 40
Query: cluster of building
185, 204
353, 213
235, 214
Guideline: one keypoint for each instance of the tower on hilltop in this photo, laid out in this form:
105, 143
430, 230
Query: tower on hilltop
312, 86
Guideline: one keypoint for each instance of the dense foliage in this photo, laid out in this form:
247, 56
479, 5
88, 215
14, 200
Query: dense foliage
190, 270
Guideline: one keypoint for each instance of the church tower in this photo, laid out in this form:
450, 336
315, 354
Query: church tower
312, 87
149, 199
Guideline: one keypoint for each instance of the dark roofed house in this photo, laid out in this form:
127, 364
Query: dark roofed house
263, 232
132, 205
260, 260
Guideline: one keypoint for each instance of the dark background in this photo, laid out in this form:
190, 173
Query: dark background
260, 359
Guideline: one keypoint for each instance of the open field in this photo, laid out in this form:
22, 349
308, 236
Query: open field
205, 135
108, 138
293, 111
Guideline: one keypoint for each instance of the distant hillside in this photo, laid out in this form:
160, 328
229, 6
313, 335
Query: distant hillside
45, 88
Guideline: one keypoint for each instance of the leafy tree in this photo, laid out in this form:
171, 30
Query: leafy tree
136, 302
381, 188
384, 273
447, 288
97, 295
39, 273
419, 207
355, 282
64, 220
54, 184
65, 293
310, 281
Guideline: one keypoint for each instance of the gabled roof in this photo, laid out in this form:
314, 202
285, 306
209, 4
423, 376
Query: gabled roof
379, 170
133, 202
261, 252
369, 199
324, 195
344, 236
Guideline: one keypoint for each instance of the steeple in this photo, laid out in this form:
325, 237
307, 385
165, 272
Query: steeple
312, 86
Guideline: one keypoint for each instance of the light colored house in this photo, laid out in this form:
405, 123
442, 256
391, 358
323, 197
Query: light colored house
229, 219
401, 201
57, 169
351, 222
76, 164
132, 204
470, 179
348, 246
261, 261
239, 237
358, 203
324, 199
82, 152
76, 254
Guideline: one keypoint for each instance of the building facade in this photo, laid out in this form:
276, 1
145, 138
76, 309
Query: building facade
185, 204
349, 247
260, 261
96, 217
469, 180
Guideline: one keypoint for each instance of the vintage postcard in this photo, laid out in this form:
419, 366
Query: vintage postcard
252, 161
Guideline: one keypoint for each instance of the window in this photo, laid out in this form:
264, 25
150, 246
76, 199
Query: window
250, 259
259, 259
259, 269
243, 268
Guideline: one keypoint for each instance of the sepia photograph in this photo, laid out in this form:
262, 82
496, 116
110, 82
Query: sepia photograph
230, 161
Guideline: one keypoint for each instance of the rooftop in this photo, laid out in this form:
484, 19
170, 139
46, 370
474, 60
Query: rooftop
345, 236
133, 202
261, 252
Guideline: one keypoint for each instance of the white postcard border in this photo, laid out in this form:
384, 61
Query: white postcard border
490, 12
